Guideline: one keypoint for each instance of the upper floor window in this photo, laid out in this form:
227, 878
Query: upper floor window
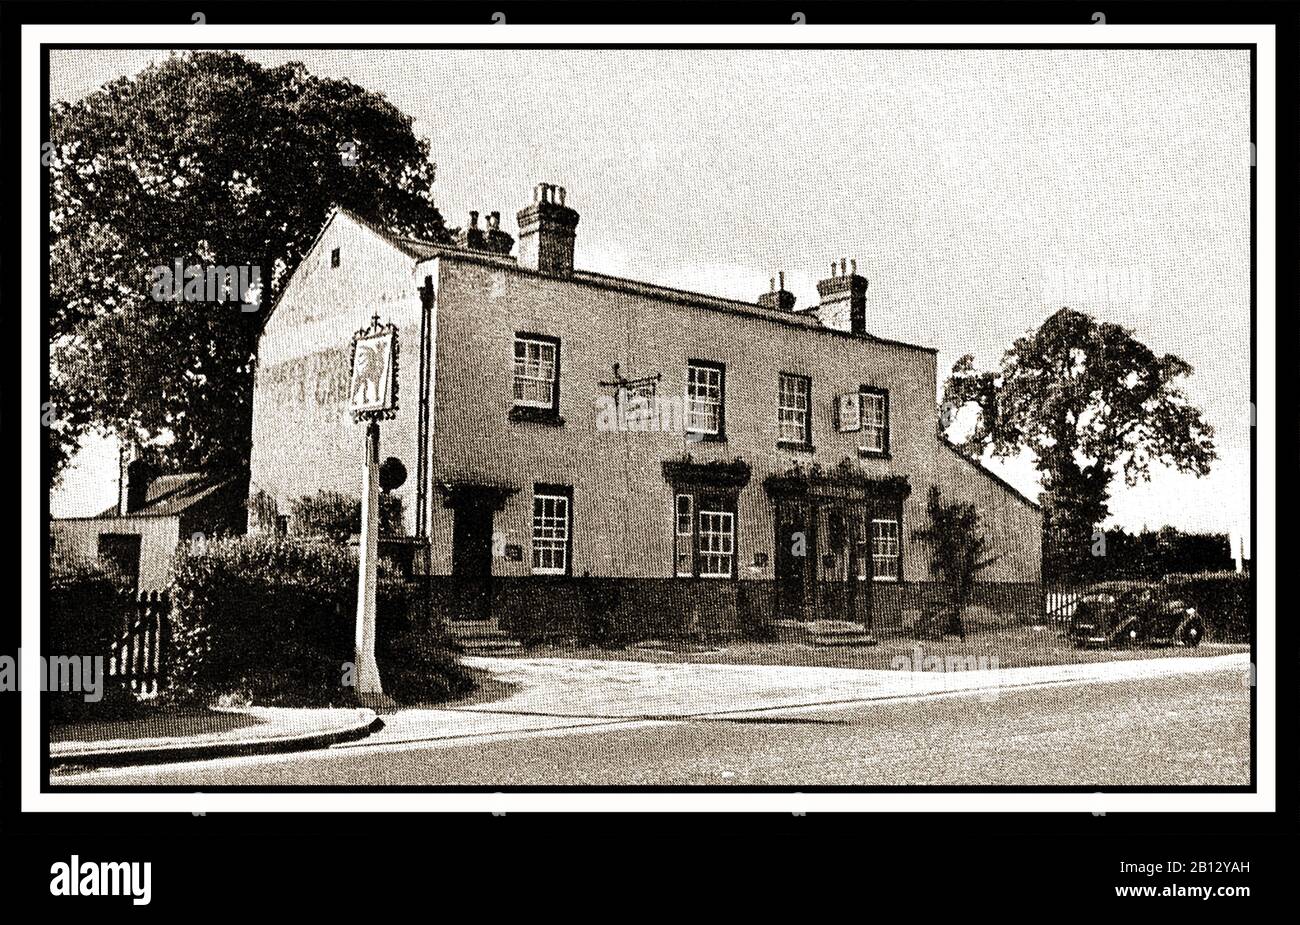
705, 398
551, 533
794, 409
537, 371
335, 257
875, 420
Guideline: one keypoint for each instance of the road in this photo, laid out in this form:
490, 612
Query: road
1179, 729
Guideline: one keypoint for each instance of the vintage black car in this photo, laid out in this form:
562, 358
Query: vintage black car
1121, 613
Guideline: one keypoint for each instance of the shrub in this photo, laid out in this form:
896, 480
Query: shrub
958, 553
86, 612
934, 618
1223, 599
335, 516
419, 667
272, 620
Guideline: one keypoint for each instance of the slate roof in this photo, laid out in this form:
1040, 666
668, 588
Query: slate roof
171, 495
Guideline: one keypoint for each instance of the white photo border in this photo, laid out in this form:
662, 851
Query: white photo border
1264, 547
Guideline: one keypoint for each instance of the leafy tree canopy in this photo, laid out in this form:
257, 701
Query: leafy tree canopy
1090, 402
214, 160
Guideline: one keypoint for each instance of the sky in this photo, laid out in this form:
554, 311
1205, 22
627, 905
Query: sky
978, 190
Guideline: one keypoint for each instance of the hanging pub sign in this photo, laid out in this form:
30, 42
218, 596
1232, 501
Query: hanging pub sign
372, 392
849, 411
634, 400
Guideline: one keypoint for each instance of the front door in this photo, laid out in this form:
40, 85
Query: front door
471, 560
793, 548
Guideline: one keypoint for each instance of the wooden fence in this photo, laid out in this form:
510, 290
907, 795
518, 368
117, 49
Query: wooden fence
139, 656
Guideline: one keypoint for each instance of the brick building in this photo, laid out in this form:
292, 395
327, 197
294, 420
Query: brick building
585, 443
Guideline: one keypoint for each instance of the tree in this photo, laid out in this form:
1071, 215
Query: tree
212, 160
1089, 401
958, 552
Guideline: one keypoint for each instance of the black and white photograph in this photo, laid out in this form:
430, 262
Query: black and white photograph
815, 416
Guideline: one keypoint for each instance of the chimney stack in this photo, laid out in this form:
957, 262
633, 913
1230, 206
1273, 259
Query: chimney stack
498, 242
547, 229
472, 237
777, 298
492, 239
843, 295
134, 477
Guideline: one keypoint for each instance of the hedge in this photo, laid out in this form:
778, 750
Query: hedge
1225, 601
271, 620
85, 613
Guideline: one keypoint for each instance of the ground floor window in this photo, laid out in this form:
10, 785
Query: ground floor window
886, 557
552, 507
704, 536
684, 538
717, 544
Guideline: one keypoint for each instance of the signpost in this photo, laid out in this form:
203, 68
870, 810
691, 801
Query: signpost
372, 397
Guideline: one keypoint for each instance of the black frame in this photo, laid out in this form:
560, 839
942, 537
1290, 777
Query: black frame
163, 826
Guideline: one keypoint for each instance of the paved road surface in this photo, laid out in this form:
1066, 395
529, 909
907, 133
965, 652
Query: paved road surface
1189, 729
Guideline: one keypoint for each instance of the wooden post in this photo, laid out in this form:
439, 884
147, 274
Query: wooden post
367, 673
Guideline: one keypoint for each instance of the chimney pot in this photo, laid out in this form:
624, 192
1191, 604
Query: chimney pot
473, 219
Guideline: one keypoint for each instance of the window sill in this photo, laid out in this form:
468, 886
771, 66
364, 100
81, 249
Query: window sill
536, 415
864, 453
795, 447
694, 436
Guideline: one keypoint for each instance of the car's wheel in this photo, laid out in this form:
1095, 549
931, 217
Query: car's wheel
1192, 633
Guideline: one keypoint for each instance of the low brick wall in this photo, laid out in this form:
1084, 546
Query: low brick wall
1019, 602
628, 609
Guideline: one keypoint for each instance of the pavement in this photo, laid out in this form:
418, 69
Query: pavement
252, 730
